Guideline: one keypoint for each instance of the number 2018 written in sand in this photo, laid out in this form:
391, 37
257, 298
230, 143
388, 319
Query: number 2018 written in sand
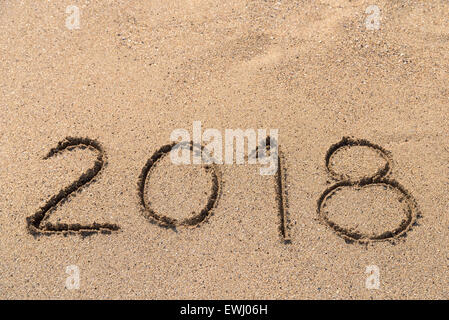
38, 223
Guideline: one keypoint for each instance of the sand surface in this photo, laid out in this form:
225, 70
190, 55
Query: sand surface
135, 71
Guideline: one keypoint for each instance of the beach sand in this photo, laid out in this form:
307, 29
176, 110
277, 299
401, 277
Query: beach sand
134, 72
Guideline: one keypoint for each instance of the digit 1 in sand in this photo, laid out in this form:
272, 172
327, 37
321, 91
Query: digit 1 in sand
281, 196
270, 144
